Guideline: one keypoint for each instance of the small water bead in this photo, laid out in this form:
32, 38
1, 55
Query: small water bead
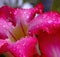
15, 12
45, 15
24, 44
29, 32
37, 26
25, 12
10, 12
50, 21
27, 16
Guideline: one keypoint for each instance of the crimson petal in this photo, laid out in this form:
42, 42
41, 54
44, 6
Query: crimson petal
3, 46
7, 13
24, 47
46, 27
39, 8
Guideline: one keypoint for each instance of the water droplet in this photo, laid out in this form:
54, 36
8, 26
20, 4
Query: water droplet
10, 12
27, 17
50, 21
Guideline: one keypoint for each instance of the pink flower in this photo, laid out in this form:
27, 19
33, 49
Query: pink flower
46, 28
13, 25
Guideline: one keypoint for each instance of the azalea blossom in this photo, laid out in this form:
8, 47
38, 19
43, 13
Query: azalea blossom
23, 34
14, 23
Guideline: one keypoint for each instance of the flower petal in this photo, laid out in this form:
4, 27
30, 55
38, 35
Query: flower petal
39, 8
26, 47
7, 13
24, 15
3, 46
5, 28
46, 27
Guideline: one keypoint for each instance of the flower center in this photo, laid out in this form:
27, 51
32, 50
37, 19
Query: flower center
18, 32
